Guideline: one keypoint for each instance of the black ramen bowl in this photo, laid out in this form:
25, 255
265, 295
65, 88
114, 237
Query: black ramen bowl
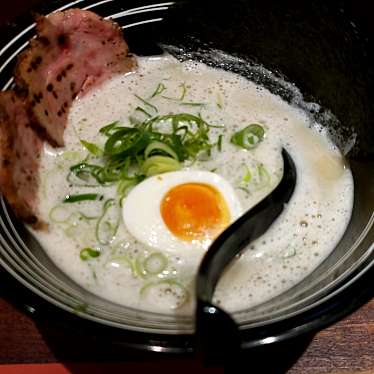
326, 50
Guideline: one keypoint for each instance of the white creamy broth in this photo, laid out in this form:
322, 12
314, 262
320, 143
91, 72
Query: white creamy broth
307, 231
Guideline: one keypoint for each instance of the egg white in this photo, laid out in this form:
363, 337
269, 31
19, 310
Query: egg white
142, 216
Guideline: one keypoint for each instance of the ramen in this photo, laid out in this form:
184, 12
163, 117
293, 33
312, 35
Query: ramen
158, 162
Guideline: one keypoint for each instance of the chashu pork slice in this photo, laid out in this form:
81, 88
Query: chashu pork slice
74, 50
20, 151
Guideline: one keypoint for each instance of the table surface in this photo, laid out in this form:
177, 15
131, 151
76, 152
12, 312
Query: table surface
346, 347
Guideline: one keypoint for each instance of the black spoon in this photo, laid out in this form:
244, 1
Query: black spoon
217, 333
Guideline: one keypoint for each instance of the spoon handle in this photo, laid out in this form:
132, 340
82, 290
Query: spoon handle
217, 332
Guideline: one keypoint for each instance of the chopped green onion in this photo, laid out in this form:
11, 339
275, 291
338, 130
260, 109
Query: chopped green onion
70, 155
263, 177
249, 137
107, 224
106, 130
125, 142
159, 89
62, 214
247, 177
219, 143
72, 230
134, 121
86, 217
139, 268
89, 253
219, 102
184, 91
123, 260
140, 109
216, 126
170, 287
182, 95
289, 252
84, 174
159, 164
246, 190
190, 103
92, 148
152, 265
124, 185
192, 142
82, 197
256, 181
59, 214
155, 263
115, 169
147, 103
157, 147
132, 153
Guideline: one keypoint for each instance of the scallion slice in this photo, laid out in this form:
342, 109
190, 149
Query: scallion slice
184, 91
107, 224
264, 178
125, 142
288, 252
124, 185
147, 103
219, 101
85, 175
247, 177
107, 130
159, 89
82, 197
219, 143
155, 263
92, 148
249, 137
159, 164
71, 231
123, 260
191, 103
142, 110
89, 253
182, 95
157, 147
170, 288
139, 267
59, 214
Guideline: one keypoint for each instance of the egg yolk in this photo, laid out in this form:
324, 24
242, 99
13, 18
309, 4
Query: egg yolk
195, 211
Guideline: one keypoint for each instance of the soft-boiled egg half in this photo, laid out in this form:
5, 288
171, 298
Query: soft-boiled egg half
180, 210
